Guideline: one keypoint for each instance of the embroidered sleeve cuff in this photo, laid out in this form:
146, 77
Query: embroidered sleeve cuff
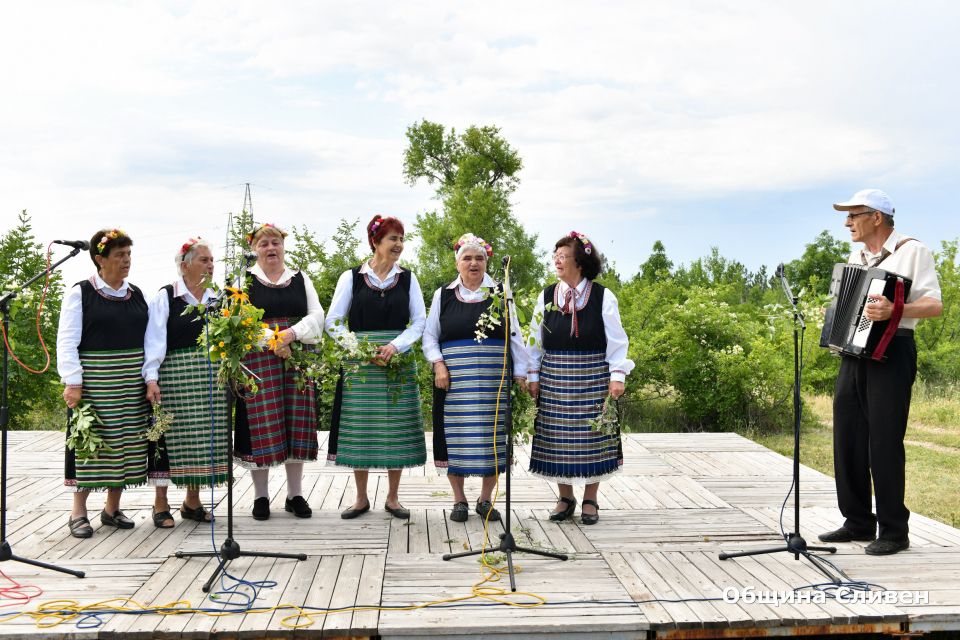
74, 386
618, 376
294, 332
149, 380
436, 361
533, 376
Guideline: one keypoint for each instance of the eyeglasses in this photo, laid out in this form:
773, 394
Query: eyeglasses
559, 257
851, 216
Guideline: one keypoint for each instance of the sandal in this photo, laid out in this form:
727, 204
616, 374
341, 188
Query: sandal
199, 514
590, 518
117, 520
560, 516
160, 518
80, 527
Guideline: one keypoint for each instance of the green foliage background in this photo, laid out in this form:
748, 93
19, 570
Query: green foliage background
30, 395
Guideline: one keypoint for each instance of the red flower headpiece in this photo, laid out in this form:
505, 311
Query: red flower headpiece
587, 247
185, 249
264, 225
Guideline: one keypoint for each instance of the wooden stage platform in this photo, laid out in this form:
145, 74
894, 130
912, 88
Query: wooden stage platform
681, 499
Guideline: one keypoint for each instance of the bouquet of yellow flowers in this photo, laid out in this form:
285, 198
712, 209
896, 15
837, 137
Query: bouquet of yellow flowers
232, 333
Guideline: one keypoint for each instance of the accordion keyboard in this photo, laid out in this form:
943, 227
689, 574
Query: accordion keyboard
874, 294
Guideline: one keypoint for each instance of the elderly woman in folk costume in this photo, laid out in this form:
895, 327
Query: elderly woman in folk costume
469, 378
578, 358
99, 356
278, 425
176, 373
383, 303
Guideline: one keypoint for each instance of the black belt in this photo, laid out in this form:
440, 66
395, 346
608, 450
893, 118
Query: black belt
904, 333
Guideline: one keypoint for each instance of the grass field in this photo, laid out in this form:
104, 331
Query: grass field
932, 443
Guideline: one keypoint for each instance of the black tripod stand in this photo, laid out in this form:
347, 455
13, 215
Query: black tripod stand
508, 545
795, 542
230, 549
6, 553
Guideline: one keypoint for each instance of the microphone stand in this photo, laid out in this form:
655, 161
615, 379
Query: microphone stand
230, 549
795, 542
6, 552
508, 545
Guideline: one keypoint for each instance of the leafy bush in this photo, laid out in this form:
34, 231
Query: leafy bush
20, 259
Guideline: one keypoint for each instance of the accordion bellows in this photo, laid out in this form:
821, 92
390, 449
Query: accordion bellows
845, 329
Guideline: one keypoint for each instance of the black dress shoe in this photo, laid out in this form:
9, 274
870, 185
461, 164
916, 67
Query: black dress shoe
159, 517
261, 509
886, 547
298, 506
560, 516
80, 527
846, 535
117, 520
485, 507
399, 512
590, 518
353, 513
199, 514
460, 513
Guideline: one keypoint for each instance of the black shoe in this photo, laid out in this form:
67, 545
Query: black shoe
846, 535
117, 520
80, 527
399, 512
460, 513
160, 518
261, 509
590, 518
560, 516
886, 547
485, 507
199, 514
353, 513
298, 506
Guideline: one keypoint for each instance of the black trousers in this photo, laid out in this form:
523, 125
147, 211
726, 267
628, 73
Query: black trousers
870, 411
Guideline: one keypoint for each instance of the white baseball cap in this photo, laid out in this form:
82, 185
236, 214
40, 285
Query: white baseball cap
873, 198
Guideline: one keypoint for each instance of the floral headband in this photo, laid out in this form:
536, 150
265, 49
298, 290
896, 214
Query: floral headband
587, 247
260, 228
469, 238
107, 237
188, 245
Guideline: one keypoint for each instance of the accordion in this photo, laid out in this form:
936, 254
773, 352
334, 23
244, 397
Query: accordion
846, 331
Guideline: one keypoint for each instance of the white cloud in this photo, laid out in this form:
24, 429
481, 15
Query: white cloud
617, 108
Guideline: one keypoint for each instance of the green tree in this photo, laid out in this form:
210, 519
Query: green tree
30, 395
657, 267
325, 267
938, 339
474, 174
815, 267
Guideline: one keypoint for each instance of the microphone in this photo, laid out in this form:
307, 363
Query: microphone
779, 273
250, 257
83, 245
505, 260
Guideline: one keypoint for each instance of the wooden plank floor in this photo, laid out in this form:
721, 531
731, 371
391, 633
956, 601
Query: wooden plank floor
649, 568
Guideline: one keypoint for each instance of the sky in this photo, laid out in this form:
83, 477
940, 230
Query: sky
700, 124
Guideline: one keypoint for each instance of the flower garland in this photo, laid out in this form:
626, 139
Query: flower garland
107, 237
188, 245
250, 235
587, 246
469, 238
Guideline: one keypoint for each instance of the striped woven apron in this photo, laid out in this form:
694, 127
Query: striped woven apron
185, 388
477, 377
381, 424
573, 387
114, 387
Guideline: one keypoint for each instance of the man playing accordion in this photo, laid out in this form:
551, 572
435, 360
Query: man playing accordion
872, 400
